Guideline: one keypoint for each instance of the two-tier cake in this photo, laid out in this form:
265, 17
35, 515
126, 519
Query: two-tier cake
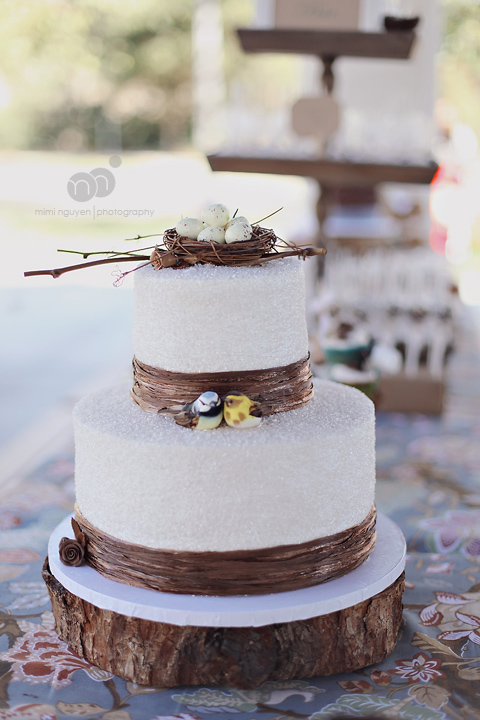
251, 544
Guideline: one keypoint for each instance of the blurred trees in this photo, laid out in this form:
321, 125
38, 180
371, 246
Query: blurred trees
78, 74
459, 60
101, 74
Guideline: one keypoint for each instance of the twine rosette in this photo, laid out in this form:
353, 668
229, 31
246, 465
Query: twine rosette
72, 551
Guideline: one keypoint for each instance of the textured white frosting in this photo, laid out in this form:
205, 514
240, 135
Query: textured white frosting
301, 475
219, 319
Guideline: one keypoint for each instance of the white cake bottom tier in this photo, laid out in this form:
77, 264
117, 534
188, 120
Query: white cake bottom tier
301, 475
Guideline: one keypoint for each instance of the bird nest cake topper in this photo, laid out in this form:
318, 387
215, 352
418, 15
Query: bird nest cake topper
216, 239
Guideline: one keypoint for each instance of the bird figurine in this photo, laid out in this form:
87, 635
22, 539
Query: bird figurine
204, 413
241, 412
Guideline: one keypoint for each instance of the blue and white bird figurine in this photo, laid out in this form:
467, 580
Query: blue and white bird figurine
204, 413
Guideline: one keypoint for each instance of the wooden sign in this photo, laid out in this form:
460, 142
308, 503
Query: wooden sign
316, 117
317, 14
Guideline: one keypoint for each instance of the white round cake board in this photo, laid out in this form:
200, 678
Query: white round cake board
379, 571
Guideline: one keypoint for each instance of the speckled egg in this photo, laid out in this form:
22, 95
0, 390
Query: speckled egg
238, 232
212, 234
189, 227
216, 215
237, 219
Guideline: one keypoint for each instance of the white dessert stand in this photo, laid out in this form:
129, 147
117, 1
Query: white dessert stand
157, 638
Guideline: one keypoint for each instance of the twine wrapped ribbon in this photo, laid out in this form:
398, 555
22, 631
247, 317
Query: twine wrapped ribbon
277, 389
238, 572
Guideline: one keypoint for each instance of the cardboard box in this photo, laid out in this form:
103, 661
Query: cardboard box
317, 14
411, 394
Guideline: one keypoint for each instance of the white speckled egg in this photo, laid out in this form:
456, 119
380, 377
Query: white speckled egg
238, 232
189, 227
216, 215
212, 234
237, 219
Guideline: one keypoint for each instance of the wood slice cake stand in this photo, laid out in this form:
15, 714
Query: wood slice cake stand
167, 640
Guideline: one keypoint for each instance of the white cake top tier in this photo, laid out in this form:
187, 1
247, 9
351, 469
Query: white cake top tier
210, 318
299, 476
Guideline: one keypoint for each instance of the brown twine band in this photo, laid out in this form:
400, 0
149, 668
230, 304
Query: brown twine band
276, 389
239, 572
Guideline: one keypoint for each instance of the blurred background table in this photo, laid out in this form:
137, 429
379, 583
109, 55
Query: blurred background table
331, 175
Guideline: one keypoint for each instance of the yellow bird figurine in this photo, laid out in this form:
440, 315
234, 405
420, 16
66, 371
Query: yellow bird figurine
241, 412
204, 413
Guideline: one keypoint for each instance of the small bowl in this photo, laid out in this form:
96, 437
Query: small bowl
353, 355
400, 24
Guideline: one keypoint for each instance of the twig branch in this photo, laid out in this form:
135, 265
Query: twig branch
267, 216
85, 255
56, 272
142, 237
299, 252
112, 253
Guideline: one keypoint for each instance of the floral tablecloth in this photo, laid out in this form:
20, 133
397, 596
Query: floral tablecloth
428, 482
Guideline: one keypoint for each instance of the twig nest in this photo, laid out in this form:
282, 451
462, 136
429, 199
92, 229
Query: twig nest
180, 251
189, 228
238, 232
216, 215
212, 233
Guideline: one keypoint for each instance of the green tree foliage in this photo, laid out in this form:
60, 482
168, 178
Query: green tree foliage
459, 60
110, 74
78, 74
